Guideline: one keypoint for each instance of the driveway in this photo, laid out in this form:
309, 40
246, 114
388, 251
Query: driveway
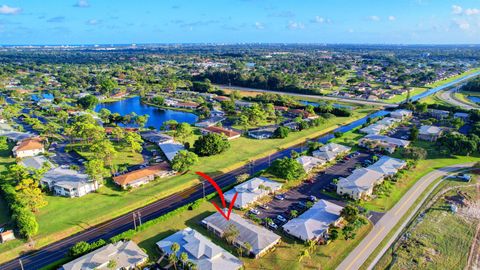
448, 96
66, 158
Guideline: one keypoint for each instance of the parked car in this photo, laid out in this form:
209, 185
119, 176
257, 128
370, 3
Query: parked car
312, 198
280, 197
264, 206
272, 225
255, 211
281, 218
302, 205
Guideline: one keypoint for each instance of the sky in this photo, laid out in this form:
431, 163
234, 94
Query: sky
64, 22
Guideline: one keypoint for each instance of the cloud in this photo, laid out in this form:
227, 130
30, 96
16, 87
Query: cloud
457, 9
472, 11
259, 25
295, 25
82, 4
320, 20
57, 19
8, 10
93, 22
462, 24
392, 18
374, 18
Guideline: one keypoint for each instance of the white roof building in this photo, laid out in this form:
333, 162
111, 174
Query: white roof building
200, 250
314, 223
68, 183
309, 162
373, 129
260, 239
387, 165
127, 255
171, 149
401, 114
251, 190
330, 151
360, 183
35, 162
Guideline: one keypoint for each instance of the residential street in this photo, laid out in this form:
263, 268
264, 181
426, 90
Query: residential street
360, 254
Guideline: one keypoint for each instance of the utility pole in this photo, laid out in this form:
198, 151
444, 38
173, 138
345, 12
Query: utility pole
139, 218
21, 264
134, 221
203, 187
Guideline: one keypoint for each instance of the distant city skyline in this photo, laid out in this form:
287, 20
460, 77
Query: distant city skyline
70, 22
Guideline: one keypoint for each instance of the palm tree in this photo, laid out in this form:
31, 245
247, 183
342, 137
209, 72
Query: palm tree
248, 247
184, 259
173, 257
303, 254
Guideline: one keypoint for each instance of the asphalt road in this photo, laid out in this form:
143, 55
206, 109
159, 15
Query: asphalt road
360, 254
448, 97
344, 99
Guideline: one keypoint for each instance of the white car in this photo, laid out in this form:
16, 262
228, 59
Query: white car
281, 218
272, 225
255, 211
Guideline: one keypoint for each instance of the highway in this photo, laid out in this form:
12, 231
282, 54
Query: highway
382, 228
448, 97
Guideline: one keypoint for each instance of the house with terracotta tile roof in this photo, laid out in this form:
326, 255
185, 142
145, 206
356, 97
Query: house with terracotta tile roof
28, 148
231, 134
143, 176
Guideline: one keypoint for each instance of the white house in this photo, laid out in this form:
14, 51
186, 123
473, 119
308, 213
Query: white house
68, 183
308, 162
382, 143
200, 250
401, 114
429, 133
251, 190
360, 184
388, 166
28, 148
127, 255
330, 151
314, 223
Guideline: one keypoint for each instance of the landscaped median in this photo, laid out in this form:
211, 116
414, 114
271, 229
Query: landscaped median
65, 216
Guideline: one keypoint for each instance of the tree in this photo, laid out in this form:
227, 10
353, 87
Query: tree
415, 153
105, 150
112, 264
141, 120
105, 115
287, 168
184, 160
175, 247
107, 85
169, 125
79, 249
30, 194
303, 254
293, 213
118, 133
3, 143
243, 122
349, 231
184, 259
231, 233
281, 132
183, 132
26, 222
414, 133
248, 247
88, 102
134, 141
242, 177
95, 168
350, 213
158, 100
333, 234
211, 144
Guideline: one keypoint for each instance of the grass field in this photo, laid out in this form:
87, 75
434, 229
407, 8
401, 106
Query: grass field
5, 161
123, 157
440, 241
285, 255
56, 223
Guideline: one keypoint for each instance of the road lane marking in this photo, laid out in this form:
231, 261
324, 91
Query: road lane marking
366, 247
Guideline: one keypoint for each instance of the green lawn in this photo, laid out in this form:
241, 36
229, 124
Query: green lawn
440, 241
5, 161
124, 156
402, 97
285, 255
56, 223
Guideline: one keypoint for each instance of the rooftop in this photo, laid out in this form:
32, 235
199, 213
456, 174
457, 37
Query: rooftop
361, 179
129, 177
65, 178
251, 190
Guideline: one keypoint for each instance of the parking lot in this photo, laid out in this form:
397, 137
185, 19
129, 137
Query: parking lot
401, 132
298, 196
63, 157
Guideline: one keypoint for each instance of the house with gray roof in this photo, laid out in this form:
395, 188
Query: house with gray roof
200, 250
382, 143
401, 114
330, 151
127, 255
35, 162
251, 191
309, 163
68, 183
313, 224
388, 166
260, 239
360, 184
429, 133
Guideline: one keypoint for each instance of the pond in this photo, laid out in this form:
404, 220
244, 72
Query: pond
157, 115
474, 99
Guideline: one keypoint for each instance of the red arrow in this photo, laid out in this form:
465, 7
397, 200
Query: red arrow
222, 198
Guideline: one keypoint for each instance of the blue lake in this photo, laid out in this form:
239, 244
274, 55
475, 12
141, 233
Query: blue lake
157, 115
474, 99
